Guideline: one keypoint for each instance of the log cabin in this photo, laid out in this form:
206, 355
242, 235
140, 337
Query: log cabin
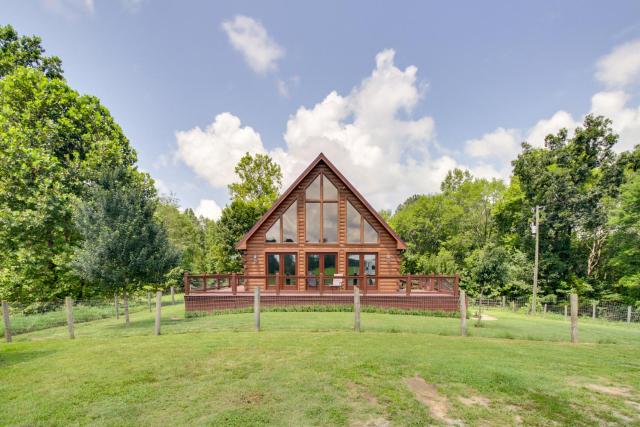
320, 240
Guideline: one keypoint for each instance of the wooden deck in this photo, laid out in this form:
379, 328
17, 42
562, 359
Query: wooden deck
209, 292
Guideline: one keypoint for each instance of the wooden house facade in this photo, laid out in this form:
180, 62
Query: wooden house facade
322, 235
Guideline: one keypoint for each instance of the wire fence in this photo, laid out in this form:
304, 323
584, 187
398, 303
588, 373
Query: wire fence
603, 310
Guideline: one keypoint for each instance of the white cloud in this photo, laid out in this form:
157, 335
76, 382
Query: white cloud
161, 187
502, 144
132, 6
369, 134
283, 88
70, 9
208, 209
213, 153
621, 67
626, 120
544, 127
250, 38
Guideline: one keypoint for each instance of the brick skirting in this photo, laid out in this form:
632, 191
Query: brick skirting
412, 302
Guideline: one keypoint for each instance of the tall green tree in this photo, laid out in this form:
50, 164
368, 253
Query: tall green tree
575, 179
24, 51
124, 246
53, 142
260, 179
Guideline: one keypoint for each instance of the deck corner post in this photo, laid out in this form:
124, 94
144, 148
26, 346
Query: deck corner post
463, 313
186, 283
456, 284
574, 318
158, 312
6, 320
356, 308
256, 308
234, 284
68, 302
629, 314
409, 284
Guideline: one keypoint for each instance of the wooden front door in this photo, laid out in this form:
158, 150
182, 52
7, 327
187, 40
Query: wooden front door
321, 267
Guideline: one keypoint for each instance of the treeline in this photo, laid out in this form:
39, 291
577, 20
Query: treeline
76, 216
589, 230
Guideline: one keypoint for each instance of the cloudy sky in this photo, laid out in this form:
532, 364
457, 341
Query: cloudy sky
394, 93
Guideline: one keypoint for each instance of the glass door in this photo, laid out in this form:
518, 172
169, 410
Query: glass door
321, 264
362, 267
281, 270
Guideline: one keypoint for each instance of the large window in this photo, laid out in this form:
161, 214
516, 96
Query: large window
320, 264
285, 229
363, 265
280, 269
358, 229
321, 211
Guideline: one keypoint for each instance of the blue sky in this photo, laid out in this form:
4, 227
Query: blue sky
395, 93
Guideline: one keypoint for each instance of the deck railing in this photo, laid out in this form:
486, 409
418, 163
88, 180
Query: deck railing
241, 283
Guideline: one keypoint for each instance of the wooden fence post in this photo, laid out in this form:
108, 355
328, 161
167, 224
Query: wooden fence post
356, 308
7, 321
565, 311
125, 300
504, 301
545, 308
256, 308
115, 303
463, 313
574, 318
629, 314
593, 310
158, 311
513, 306
173, 295
185, 283
69, 304
149, 301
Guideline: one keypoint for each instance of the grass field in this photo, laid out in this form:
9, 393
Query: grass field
311, 369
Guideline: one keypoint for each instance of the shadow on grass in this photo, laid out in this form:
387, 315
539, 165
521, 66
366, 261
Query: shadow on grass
15, 356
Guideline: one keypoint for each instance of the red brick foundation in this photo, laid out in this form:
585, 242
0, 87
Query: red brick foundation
412, 302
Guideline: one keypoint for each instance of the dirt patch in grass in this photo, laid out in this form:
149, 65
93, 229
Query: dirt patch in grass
619, 391
428, 395
474, 400
360, 392
485, 317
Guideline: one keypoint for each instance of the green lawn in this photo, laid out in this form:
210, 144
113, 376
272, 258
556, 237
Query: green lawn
311, 369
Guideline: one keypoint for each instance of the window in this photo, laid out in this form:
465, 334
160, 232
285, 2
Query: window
280, 268
320, 264
285, 229
363, 265
358, 229
321, 211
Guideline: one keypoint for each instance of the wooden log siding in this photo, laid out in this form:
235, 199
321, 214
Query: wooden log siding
388, 261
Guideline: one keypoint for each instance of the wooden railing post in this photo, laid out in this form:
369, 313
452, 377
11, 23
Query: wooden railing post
321, 286
204, 282
408, 286
186, 283
7, 321
234, 284
574, 318
456, 286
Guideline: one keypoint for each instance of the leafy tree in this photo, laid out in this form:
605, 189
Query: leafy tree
25, 51
574, 179
625, 239
124, 246
52, 143
260, 180
258, 187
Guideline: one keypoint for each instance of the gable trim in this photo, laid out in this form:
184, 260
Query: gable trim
242, 243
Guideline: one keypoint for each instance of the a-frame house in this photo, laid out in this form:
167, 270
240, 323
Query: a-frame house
322, 235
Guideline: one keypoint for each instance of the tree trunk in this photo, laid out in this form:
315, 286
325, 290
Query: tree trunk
125, 301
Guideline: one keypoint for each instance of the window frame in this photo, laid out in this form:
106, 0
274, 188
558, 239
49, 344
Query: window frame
321, 201
280, 221
362, 221
361, 272
281, 278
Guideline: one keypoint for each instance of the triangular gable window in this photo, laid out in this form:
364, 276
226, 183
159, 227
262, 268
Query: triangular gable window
285, 229
358, 229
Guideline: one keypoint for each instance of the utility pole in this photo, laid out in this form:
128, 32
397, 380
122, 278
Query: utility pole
536, 231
